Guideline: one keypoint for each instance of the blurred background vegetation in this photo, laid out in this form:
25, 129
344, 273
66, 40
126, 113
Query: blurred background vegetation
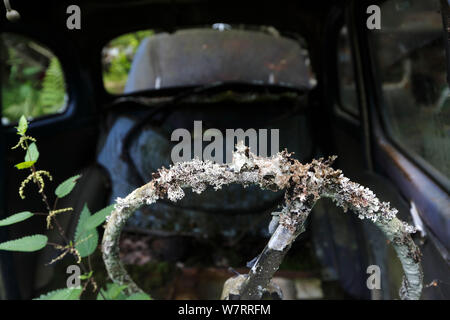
33, 82
117, 58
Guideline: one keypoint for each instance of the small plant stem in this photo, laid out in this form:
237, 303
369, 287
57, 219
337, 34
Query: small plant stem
61, 232
55, 203
40, 213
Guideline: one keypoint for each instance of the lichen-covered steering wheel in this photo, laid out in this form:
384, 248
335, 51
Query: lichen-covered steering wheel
304, 185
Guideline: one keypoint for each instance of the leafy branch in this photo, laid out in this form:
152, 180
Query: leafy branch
86, 237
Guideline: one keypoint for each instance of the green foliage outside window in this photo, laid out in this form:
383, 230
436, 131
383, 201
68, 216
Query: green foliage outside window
117, 58
33, 82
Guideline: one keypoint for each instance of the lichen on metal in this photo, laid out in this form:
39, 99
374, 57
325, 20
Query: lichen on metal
304, 185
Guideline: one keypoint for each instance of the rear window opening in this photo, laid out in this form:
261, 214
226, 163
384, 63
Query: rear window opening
146, 60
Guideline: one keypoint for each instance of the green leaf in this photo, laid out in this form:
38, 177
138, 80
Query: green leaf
86, 240
32, 153
66, 187
31, 70
25, 244
86, 276
24, 165
139, 296
62, 294
18, 217
23, 126
112, 292
99, 217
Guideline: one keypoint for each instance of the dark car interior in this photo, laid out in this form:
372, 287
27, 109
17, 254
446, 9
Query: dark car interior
378, 99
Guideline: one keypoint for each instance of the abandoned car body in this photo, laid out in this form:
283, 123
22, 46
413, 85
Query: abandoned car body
313, 76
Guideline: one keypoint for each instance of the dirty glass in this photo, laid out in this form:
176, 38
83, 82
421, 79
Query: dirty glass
346, 76
411, 65
192, 57
32, 81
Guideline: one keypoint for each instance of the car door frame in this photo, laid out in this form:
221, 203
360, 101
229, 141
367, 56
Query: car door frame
416, 181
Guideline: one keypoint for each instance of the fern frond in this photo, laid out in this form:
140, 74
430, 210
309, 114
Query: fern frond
53, 87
